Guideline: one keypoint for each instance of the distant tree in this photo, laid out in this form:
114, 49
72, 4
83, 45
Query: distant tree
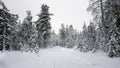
68, 36
84, 44
91, 36
71, 37
62, 34
55, 39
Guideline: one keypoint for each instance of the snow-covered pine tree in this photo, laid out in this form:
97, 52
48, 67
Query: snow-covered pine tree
71, 37
28, 34
69, 41
98, 39
91, 36
80, 45
7, 27
13, 30
114, 43
55, 39
112, 15
62, 33
18, 36
68, 36
83, 45
43, 26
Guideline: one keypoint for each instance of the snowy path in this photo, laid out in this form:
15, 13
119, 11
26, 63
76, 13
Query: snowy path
57, 57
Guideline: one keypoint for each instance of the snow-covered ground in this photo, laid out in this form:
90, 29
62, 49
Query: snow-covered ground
57, 57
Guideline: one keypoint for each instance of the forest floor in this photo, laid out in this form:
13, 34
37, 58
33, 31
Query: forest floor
57, 57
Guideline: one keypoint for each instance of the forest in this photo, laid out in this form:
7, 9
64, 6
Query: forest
102, 34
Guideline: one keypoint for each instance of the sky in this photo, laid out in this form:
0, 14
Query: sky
68, 12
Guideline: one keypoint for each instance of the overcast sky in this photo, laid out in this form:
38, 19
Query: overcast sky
65, 11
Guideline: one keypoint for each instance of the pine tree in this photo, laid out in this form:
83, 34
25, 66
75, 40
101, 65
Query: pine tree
55, 39
114, 43
71, 37
7, 27
13, 34
68, 36
62, 34
18, 36
28, 33
91, 36
84, 43
43, 26
112, 15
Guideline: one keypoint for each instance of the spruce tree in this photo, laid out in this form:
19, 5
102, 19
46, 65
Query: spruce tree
91, 36
28, 33
71, 37
84, 42
43, 26
62, 33
8, 22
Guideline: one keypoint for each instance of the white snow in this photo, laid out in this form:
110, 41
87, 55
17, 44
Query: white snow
57, 57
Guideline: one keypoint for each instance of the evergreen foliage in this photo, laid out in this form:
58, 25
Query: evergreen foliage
43, 26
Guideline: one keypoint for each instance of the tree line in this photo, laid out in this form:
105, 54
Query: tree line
102, 34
